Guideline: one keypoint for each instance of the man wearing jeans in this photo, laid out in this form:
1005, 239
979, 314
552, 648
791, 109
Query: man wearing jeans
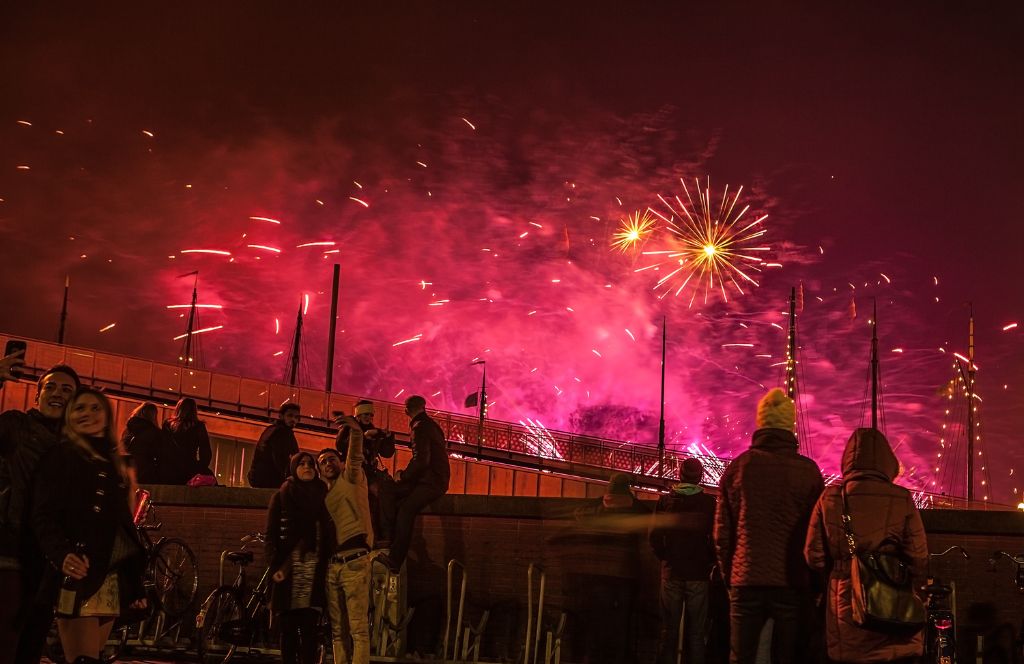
348, 571
422, 482
681, 538
765, 503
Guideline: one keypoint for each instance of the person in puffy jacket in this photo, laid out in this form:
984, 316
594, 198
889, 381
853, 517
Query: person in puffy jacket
879, 511
274, 449
766, 497
190, 453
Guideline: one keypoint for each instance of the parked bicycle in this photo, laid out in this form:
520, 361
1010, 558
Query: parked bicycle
1017, 560
940, 603
236, 617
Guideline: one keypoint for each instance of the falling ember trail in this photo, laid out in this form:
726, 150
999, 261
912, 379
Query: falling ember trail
216, 252
268, 219
205, 329
360, 201
104, 329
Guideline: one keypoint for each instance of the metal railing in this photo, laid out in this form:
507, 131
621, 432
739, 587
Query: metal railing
532, 444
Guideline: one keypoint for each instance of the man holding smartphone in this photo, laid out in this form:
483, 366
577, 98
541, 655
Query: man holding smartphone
24, 438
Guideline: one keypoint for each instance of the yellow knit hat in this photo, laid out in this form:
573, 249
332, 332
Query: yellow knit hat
776, 411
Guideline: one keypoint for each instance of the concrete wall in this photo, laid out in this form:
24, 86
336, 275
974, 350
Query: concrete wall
498, 537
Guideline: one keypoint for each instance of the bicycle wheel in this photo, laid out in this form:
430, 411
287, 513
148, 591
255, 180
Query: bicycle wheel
219, 625
174, 571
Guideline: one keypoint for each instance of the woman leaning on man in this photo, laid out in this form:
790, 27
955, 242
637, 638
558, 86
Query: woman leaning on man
82, 514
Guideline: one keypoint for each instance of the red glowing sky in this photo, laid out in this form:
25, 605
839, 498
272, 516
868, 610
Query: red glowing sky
471, 164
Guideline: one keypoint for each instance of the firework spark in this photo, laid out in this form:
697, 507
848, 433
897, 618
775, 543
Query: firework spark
633, 230
711, 246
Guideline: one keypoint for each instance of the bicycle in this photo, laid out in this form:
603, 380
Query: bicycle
1017, 560
940, 604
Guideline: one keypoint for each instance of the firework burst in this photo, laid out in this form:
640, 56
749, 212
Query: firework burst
712, 247
633, 230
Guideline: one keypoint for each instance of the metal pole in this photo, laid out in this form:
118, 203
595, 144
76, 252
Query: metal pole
329, 384
970, 410
483, 412
661, 421
874, 365
295, 347
64, 310
791, 348
187, 359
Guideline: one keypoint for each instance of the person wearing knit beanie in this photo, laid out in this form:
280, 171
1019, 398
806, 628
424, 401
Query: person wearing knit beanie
776, 411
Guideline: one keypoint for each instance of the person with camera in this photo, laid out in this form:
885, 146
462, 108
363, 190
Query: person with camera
377, 444
25, 437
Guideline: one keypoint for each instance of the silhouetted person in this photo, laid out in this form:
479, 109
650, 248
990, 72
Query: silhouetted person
766, 497
422, 482
190, 452
601, 554
147, 444
274, 450
681, 537
24, 439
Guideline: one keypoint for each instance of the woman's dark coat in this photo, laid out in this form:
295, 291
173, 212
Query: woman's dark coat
79, 498
284, 533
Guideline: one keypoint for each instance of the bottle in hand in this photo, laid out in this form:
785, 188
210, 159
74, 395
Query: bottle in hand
69, 589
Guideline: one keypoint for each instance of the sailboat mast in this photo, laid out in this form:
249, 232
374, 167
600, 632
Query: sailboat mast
661, 421
64, 310
187, 356
791, 348
970, 409
874, 365
296, 345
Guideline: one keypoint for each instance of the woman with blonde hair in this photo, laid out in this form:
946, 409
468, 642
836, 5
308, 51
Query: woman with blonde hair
82, 515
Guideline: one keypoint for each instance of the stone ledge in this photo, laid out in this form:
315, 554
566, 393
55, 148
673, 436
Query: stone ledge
528, 507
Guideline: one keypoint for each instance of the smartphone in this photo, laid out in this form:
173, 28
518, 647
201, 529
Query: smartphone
15, 346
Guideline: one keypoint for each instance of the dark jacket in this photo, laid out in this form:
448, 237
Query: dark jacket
270, 460
681, 533
24, 439
284, 533
429, 463
381, 446
83, 498
879, 510
604, 540
766, 497
188, 455
147, 444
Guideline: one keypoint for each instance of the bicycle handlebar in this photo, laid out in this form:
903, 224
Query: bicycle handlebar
955, 547
257, 538
1019, 560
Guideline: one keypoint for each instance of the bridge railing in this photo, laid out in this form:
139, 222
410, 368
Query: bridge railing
530, 442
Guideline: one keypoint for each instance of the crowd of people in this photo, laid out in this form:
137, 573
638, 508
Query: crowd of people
70, 549
771, 547
775, 545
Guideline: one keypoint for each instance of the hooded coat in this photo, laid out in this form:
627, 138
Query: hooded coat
147, 444
766, 497
680, 533
878, 510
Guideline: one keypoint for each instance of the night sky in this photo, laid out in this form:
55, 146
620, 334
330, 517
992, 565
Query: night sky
471, 162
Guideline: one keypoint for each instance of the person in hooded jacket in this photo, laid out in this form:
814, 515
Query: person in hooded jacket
190, 452
82, 517
300, 538
147, 444
879, 511
680, 536
765, 502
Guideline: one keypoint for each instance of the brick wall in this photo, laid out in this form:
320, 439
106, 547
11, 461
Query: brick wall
498, 537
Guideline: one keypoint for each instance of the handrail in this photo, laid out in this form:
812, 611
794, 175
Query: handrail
448, 628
